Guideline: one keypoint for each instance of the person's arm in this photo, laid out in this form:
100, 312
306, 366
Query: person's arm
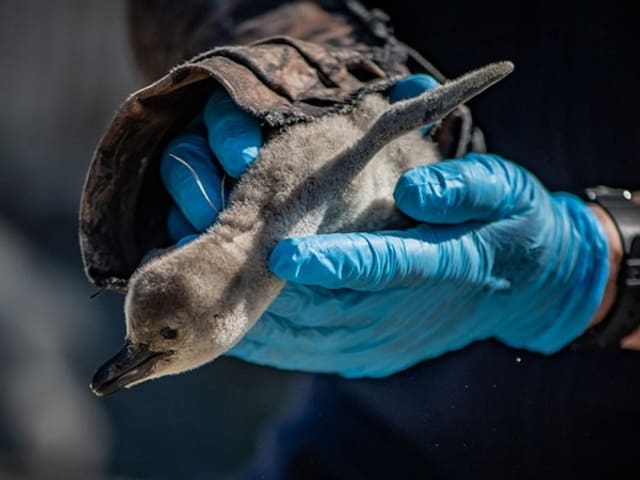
382, 280
532, 269
615, 258
615, 317
632, 341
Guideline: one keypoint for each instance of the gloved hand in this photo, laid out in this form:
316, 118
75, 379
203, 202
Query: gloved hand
196, 181
496, 256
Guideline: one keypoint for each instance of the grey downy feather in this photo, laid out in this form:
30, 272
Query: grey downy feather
333, 175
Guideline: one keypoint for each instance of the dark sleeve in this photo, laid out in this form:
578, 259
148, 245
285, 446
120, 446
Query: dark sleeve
569, 111
165, 33
484, 412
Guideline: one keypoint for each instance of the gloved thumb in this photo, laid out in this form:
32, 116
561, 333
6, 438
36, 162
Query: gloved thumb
476, 187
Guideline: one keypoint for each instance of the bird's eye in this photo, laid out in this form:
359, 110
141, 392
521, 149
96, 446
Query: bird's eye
169, 333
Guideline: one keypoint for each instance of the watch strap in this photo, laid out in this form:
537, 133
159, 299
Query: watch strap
624, 316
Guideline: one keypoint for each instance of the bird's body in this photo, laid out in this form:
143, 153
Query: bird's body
336, 174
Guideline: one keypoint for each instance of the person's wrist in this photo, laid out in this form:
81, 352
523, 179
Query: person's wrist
615, 260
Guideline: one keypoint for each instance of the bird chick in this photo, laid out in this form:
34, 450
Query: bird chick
189, 305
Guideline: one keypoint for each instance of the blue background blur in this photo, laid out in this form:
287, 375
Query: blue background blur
65, 68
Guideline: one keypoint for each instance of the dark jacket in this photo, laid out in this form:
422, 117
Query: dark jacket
569, 113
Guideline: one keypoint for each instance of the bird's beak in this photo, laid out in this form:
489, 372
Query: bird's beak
130, 365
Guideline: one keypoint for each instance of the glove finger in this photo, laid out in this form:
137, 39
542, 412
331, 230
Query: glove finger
189, 174
376, 261
475, 187
364, 335
234, 135
411, 86
293, 357
279, 342
361, 261
313, 323
186, 239
177, 224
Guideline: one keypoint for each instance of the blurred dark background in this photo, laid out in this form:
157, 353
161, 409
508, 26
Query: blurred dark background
66, 67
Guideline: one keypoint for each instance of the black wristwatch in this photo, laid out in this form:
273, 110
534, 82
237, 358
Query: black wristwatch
624, 316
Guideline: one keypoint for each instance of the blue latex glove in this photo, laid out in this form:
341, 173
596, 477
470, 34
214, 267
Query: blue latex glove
195, 180
189, 170
497, 256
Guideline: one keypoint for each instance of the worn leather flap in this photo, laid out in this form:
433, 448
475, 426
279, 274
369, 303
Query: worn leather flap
279, 80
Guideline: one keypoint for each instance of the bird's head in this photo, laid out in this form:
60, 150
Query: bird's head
176, 321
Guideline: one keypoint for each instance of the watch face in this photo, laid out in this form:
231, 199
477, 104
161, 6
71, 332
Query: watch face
602, 192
